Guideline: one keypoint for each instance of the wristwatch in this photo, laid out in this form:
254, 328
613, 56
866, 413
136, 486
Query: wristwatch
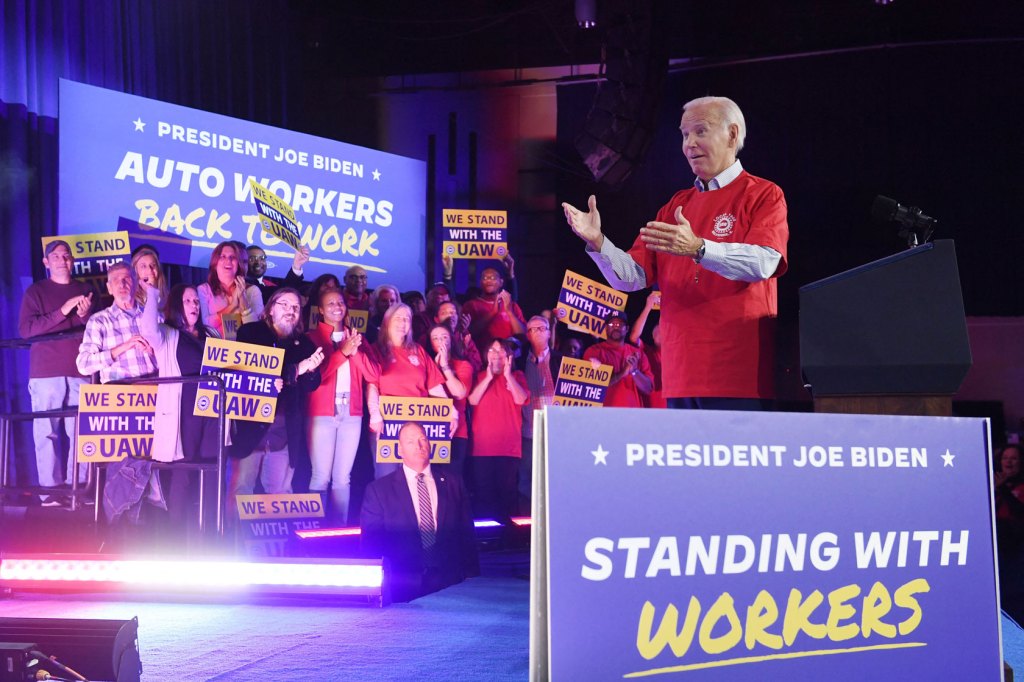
700, 252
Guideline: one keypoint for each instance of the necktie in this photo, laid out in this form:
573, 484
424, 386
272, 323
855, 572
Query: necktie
427, 532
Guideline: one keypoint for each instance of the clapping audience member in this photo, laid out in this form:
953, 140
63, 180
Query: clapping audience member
498, 397
50, 306
450, 361
311, 309
225, 291
651, 350
336, 406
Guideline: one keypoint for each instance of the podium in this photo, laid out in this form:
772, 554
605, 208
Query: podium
888, 337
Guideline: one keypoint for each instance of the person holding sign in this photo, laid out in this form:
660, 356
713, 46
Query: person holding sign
273, 452
419, 520
256, 274
499, 396
715, 251
53, 305
336, 406
632, 372
403, 369
225, 292
493, 314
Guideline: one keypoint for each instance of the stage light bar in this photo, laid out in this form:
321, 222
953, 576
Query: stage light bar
343, 532
327, 533
522, 520
305, 576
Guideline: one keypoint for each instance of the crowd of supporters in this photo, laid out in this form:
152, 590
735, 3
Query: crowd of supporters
476, 347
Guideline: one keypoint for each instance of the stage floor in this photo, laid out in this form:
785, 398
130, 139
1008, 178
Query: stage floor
477, 630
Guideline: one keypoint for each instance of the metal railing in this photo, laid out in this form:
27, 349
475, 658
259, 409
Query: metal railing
93, 476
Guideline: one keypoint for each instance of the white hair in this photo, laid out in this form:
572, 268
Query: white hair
729, 113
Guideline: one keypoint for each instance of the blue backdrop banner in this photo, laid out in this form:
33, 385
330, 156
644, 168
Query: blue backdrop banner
184, 173
741, 546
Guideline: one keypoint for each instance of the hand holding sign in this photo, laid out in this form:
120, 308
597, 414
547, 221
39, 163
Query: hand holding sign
301, 258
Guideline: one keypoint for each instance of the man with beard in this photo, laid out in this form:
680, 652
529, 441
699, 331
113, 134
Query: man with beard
493, 315
50, 306
277, 452
257, 274
631, 372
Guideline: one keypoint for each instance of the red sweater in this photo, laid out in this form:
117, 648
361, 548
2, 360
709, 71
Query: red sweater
718, 335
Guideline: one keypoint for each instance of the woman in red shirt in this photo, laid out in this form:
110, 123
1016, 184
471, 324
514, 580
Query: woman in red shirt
336, 407
499, 396
403, 369
447, 355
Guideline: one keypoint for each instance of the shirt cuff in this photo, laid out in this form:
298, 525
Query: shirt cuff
714, 252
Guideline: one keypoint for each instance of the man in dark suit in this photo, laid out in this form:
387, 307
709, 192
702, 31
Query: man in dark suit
419, 521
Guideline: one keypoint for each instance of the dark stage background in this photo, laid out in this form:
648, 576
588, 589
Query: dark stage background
842, 101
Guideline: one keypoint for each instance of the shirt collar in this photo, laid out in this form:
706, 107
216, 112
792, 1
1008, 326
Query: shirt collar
411, 474
538, 358
722, 179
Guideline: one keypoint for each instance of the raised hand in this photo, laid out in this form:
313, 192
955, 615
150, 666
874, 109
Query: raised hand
586, 225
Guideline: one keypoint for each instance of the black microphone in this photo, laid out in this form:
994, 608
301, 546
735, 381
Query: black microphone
915, 226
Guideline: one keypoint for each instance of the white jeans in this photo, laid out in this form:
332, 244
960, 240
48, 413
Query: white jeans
333, 443
53, 393
276, 475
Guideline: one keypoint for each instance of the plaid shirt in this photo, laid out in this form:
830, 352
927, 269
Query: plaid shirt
106, 330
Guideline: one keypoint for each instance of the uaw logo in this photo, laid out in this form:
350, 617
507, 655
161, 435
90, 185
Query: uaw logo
723, 225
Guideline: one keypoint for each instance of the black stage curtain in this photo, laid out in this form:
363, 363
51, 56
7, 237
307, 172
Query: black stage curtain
230, 56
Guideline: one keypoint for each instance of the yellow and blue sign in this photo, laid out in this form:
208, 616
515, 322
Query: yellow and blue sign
580, 384
767, 546
283, 506
115, 422
433, 414
470, 233
94, 254
358, 320
276, 216
584, 303
249, 373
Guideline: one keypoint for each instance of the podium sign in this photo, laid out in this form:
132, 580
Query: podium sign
753, 546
